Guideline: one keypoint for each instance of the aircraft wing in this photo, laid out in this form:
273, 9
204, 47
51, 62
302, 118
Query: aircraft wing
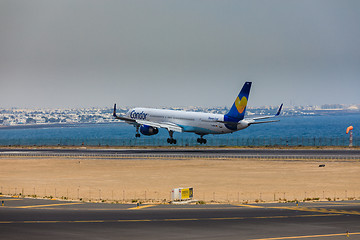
129, 120
169, 126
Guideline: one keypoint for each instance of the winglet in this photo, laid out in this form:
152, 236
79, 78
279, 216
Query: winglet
122, 118
114, 113
278, 112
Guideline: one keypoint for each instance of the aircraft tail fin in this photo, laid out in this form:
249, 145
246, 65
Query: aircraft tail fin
237, 111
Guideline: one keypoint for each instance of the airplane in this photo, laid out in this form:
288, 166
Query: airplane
149, 120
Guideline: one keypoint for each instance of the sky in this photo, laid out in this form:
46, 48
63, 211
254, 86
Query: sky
152, 53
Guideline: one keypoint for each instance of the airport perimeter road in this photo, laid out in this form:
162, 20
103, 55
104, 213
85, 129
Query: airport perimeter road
187, 153
46, 219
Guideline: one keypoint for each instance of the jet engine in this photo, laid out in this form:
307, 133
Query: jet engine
148, 130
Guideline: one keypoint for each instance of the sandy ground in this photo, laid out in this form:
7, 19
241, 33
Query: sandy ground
222, 180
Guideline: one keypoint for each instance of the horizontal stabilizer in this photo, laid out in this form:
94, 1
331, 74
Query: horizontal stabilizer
264, 122
265, 117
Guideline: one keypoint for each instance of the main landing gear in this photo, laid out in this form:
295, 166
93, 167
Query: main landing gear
137, 135
201, 140
171, 140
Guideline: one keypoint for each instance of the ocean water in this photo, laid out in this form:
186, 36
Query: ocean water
297, 130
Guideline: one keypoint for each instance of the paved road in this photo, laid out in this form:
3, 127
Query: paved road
306, 153
46, 219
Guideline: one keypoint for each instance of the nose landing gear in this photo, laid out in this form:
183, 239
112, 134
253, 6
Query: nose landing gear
137, 135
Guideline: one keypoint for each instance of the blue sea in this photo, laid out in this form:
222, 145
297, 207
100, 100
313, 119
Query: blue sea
296, 130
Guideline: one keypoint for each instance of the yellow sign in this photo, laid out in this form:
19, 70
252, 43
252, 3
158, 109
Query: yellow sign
187, 193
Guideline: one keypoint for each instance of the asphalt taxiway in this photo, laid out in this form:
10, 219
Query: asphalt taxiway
186, 153
22, 218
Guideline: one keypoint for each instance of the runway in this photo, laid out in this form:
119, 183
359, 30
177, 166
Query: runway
49, 219
186, 153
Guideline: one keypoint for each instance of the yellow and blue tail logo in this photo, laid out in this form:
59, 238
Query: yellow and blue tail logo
240, 104
237, 111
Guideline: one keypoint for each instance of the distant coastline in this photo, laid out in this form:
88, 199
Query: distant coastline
41, 118
52, 125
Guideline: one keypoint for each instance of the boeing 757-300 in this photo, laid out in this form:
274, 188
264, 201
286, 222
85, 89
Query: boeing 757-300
149, 120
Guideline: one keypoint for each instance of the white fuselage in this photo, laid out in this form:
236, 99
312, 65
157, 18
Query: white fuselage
197, 122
